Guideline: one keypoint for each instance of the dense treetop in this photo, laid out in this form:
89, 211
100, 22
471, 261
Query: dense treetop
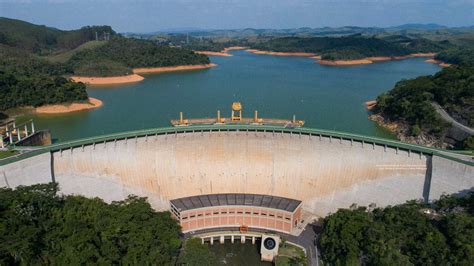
39, 227
121, 54
410, 100
458, 56
44, 40
35, 61
350, 47
401, 235
26, 80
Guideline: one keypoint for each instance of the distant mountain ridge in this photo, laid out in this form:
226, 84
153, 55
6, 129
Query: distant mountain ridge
419, 26
256, 31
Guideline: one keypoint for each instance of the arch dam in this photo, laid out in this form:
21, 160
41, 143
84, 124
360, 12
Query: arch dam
326, 170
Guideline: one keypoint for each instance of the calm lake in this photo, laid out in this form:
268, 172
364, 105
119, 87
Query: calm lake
325, 97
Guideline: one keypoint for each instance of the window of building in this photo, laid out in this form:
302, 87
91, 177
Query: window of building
215, 212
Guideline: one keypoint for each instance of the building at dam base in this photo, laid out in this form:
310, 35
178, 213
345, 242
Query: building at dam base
325, 170
221, 211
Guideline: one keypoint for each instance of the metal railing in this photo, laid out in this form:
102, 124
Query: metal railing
251, 128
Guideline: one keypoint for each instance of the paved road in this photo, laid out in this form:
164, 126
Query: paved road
451, 120
305, 239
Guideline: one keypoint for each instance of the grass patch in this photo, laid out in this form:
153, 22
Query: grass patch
5, 154
65, 56
290, 255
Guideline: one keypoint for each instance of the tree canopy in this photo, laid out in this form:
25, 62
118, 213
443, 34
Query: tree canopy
410, 100
401, 235
458, 56
350, 47
120, 54
36, 61
39, 227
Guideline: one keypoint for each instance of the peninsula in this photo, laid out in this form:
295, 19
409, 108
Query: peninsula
348, 50
39, 57
91, 103
422, 110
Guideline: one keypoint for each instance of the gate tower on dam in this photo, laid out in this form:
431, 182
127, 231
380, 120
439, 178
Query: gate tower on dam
324, 170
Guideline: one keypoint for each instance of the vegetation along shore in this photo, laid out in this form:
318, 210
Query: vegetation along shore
42, 66
433, 110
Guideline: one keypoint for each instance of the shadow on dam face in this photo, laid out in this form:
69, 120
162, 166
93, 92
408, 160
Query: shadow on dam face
323, 172
427, 184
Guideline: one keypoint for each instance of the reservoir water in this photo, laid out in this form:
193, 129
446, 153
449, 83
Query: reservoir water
325, 97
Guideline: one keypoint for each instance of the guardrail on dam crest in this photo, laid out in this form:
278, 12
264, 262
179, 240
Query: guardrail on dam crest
326, 170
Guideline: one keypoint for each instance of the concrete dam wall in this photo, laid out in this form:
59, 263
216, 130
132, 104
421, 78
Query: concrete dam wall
326, 173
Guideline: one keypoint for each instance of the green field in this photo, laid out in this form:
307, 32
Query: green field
289, 254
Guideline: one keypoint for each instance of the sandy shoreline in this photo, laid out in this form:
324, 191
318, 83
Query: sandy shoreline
234, 48
344, 62
438, 62
108, 80
68, 108
374, 59
213, 53
302, 54
223, 52
171, 68
135, 77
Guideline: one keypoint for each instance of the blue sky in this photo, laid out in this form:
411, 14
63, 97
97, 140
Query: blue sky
153, 15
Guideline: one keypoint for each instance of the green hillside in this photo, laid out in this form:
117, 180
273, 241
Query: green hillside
45, 40
35, 61
119, 55
409, 102
63, 57
458, 56
351, 47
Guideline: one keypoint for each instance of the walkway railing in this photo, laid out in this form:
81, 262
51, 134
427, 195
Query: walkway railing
451, 155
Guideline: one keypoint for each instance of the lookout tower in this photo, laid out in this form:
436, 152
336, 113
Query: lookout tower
236, 111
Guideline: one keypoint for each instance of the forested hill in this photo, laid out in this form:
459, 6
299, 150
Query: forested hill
44, 40
39, 227
35, 61
119, 55
439, 233
351, 47
409, 103
458, 56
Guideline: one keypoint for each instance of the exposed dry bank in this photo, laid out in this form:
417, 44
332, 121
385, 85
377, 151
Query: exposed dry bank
223, 52
374, 59
213, 53
438, 62
302, 54
108, 80
135, 77
171, 69
92, 103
